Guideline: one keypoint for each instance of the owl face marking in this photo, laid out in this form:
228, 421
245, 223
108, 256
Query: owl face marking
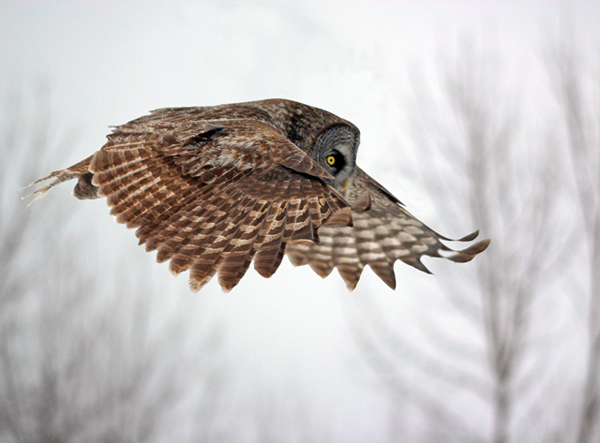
335, 150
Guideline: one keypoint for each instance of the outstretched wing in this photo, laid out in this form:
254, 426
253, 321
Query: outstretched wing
379, 236
210, 194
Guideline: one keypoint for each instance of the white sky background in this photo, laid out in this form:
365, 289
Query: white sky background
110, 62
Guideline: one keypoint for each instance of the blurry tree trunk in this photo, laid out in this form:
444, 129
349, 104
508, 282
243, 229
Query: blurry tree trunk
578, 92
508, 171
491, 171
489, 135
84, 355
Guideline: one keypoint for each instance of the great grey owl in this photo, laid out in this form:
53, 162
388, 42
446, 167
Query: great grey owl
211, 188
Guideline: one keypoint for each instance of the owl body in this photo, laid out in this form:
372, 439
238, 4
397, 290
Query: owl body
214, 188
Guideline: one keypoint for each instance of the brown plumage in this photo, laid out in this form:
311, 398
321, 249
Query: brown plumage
213, 188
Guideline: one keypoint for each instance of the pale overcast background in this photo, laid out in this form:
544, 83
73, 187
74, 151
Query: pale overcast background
100, 343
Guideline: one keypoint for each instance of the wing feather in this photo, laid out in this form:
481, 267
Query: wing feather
269, 257
242, 249
384, 233
345, 257
210, 189
322, 263
206, 259
170, 211
196, 223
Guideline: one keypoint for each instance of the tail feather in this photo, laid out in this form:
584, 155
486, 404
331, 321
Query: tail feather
78, 171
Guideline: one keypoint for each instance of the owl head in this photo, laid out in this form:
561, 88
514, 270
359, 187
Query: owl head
335, 149
330, 140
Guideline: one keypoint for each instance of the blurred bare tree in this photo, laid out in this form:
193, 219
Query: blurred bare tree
88, 356
576, 85
83, 357
485, 154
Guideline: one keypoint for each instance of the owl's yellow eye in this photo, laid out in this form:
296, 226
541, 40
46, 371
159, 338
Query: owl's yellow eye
335, 161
